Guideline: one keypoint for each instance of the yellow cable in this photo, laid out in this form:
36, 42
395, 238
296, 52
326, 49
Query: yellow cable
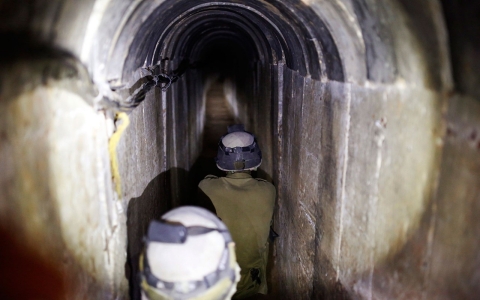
112, 149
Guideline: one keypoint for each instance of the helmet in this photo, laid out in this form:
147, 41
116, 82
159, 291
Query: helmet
238, 150
189, 254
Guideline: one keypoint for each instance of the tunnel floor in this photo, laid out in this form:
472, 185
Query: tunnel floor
218, 116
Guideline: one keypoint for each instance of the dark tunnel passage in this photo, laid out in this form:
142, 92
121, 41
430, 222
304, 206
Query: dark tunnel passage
221, 61
366, 112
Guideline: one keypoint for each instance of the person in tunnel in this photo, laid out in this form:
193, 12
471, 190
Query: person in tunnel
189, 255
245, 204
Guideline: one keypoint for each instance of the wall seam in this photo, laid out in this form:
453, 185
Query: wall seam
344, 174
164, 124
433, 220
93, 24
379, 141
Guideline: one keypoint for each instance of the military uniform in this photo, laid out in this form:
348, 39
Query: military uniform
245, 205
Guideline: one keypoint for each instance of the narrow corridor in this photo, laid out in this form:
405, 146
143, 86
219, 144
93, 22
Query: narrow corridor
218, 116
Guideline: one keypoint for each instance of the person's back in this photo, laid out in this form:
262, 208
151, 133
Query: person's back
245, 205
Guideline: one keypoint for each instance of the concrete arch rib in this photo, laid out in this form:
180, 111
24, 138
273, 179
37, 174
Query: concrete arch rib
182, 44
303, 42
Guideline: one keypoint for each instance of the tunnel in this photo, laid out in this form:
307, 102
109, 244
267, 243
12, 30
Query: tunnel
366, 111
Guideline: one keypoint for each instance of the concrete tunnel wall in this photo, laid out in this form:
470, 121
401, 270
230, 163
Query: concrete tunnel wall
348, 99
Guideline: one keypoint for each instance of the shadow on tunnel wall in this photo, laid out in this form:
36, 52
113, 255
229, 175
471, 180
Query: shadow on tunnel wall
152, 204
170, 189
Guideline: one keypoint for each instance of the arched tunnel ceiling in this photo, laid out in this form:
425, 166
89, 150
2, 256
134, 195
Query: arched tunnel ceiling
191, 42
325, 40
173, 30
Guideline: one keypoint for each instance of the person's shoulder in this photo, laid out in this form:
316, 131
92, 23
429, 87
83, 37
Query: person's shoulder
208, 180
261, 180
264, 182
266, 188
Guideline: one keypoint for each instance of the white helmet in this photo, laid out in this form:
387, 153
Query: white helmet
189, 254
238, 150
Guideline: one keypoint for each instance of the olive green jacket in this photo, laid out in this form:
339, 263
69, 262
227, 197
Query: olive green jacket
245, 205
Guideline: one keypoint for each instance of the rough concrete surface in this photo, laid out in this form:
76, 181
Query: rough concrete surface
56, 183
